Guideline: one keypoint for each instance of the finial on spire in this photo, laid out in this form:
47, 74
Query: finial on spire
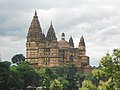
71, 41
35, 12
51, 23
35, 16
82, 42
63, 36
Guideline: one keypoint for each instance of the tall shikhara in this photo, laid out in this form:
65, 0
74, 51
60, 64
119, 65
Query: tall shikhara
46, 51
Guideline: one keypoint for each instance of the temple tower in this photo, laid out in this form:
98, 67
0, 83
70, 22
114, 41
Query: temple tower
52, 49
34, 37
82, 49
84, 60
71, 42
45, 51
51, 36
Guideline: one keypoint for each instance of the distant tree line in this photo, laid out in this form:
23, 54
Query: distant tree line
66, 77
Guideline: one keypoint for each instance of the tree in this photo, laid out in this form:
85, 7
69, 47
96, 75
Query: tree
109, 72
15, 82
69, 70
69, 74
18, 77
105, 85
58, 71
64, 83
87, 85
79, 76
28, 74
55, 85
18, 58
46, 76
4, 75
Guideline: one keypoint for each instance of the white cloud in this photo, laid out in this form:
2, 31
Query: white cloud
8, 47
97, 20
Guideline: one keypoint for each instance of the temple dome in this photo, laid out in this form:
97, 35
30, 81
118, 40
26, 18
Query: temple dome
63, 44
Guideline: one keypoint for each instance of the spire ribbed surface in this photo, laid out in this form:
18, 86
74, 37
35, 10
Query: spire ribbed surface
82, 42
35, 31
51, 34
71, 41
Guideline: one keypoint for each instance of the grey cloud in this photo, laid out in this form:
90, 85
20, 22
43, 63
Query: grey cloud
97, 20
13, 23
42, 4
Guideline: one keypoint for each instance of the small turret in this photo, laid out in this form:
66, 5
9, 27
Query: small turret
71, 42
82, 42
82, 46
63, 36
51, 34
35, 16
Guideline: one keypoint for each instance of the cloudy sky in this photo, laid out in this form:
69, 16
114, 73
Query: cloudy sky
97, 20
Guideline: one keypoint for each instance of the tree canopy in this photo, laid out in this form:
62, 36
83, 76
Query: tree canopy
18, 58
66, 77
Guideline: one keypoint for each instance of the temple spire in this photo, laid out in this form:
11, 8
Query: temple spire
71, 41
35, 12
51, 23
35, 30
82, 47
63, 36
82, 42
35, 16
51, 36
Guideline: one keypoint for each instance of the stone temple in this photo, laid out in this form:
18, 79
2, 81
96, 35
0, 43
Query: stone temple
47, 51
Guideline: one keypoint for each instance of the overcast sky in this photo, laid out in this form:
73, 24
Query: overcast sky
97, 20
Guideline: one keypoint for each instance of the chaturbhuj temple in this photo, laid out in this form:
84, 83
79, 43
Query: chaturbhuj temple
46, 51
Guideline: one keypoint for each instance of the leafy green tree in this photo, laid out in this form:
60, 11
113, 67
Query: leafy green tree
18, 58
69, 70
28, 75
87, 85
93, 79
4, 75
69, 74
79, 76
105, 85
55, 85
58, 71
17, 77
64, 83
15, 82
46, 76
109, 72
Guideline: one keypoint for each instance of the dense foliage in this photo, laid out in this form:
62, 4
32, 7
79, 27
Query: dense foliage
18, 58
107, 76
66, 77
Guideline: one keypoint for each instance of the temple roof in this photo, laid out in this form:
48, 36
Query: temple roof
35, 31
63, 43
63, 35
51, 34
35, 23
71, 41
82, 42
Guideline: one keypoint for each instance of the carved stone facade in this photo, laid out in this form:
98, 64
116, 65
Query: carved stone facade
46, 51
